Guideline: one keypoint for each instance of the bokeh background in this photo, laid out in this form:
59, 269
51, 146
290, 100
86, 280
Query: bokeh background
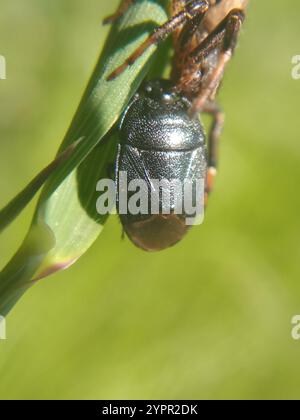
210, 318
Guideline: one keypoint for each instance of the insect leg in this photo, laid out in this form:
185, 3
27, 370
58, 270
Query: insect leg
225, 36
176, 6
192, 9
124, 6
217, 114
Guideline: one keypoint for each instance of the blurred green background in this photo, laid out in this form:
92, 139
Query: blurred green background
210, 318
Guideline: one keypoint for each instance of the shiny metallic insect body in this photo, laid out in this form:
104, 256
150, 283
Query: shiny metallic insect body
205, 35
159, 140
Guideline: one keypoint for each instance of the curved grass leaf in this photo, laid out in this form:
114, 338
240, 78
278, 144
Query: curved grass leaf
15, 278
67, 203
15, 207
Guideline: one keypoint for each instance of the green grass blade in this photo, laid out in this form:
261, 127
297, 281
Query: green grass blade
15, 278
10, 212
67, 204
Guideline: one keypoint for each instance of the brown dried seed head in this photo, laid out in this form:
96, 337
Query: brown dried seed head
220, 11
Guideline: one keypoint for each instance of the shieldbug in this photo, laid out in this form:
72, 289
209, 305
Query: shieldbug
205, 34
